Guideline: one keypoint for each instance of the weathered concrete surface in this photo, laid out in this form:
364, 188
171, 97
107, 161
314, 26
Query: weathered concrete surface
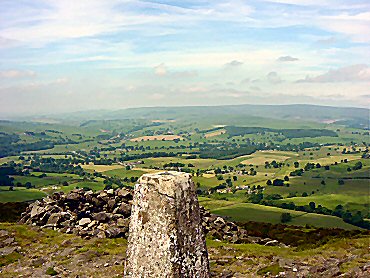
166, 237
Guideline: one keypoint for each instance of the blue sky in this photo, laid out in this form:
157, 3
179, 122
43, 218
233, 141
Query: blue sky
63, 55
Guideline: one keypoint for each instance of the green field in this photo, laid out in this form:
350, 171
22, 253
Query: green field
19, 195
258, 213
352, 203
43, 182
95, 186
121, 173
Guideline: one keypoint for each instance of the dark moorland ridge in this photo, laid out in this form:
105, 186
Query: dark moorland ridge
292, 111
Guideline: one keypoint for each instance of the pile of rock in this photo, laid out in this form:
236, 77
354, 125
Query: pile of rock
220, 229
88, 214
107, 214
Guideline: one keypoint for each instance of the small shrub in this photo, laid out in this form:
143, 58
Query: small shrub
51, 271
272, 269
285, 217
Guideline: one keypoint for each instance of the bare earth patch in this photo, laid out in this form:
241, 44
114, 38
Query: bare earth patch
156, 137
163, 121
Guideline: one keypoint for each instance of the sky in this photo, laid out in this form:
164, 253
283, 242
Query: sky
63, 55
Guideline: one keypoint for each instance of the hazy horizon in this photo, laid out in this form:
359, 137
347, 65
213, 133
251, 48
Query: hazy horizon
69, 56
59, 115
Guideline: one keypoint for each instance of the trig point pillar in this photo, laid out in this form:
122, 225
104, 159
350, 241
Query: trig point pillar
166, 237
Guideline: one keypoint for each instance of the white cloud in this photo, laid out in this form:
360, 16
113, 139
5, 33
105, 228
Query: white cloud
233, 64
356, 26
62, 80
184, 74
354, 73
129, 44
17, 74
68, 19
287, 59
273, 77
160, 70
335, 4
245, 81
351, 20
51, 21
327, 40
156, 96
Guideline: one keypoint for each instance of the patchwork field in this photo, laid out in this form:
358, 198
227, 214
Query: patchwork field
235, 165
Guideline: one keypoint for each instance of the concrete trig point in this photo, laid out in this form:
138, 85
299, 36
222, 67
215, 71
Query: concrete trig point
166, 237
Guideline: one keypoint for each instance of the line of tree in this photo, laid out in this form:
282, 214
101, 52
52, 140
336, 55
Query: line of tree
288, 133
126, 157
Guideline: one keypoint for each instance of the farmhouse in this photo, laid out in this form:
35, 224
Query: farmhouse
223, 191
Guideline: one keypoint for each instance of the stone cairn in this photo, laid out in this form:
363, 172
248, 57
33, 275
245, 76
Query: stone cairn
106, 214
166, 237
87, 214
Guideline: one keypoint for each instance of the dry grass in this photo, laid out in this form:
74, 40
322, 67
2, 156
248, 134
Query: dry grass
260, 158
215, 133
208, 175
156, 137
331, 159
147, 170
101, 168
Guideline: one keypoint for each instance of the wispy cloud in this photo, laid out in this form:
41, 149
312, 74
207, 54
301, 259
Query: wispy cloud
50, 21
356, 26
167, 51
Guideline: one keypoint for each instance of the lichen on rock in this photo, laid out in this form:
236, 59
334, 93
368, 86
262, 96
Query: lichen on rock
166, 237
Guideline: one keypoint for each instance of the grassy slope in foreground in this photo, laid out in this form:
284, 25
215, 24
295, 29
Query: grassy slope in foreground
244, 212
73, 256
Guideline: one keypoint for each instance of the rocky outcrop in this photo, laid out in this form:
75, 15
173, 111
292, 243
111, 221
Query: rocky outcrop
166, 235
8, 244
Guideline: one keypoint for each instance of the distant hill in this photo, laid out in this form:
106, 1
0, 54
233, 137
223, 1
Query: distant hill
348, 116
